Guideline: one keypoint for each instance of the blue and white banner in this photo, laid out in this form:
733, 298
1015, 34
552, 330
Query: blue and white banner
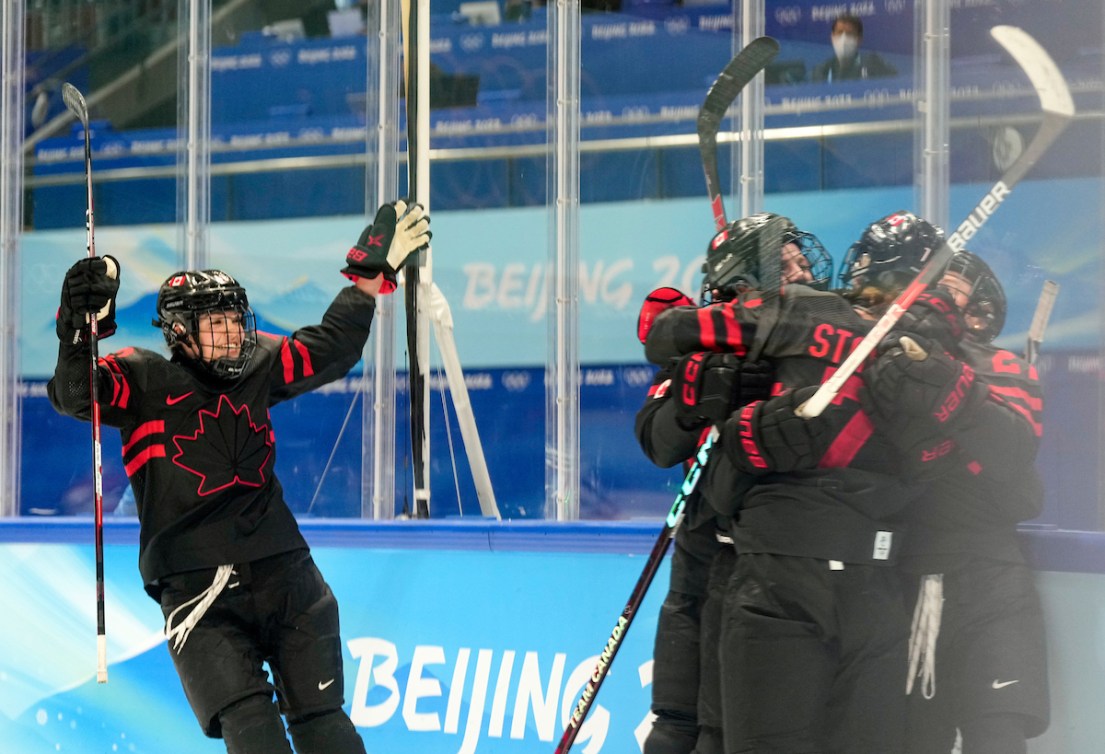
493, 267
446, 652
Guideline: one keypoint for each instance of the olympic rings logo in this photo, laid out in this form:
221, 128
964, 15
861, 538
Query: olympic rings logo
789, 15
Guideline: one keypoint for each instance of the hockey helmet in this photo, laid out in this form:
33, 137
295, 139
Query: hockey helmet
183, 300
817, 264
733, 258
890, 252
977, 290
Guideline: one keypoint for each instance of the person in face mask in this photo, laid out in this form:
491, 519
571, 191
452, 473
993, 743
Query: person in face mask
847, 61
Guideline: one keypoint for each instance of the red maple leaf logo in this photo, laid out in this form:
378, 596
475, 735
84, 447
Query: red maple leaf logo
227, 449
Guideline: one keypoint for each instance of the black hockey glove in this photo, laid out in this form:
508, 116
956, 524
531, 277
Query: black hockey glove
767, 436
707, 387
397, 232
660, 300
913, 379
90, 286
935, 316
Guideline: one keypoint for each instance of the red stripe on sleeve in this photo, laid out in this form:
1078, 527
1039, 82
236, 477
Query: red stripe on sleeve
1024, 403
1017, 395
120, 388
140, 460
286, 360
304, 354
143, 431
706, 333
734, 334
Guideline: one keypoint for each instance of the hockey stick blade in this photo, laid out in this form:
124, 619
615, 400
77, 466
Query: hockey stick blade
1058, 108
74, 101
1039, 320
729, 83
625, 620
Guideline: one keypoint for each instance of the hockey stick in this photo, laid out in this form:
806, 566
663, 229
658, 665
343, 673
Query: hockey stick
734, 77
1039, 320
76, 104
415, 16
1055, 100
625, 620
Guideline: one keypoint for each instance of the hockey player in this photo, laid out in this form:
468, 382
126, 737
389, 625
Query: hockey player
814, 628
219, 547
685, 681
978, 654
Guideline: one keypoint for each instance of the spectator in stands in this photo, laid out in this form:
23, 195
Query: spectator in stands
517, 10
847, 61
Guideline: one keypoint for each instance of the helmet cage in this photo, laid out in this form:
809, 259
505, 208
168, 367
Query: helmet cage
186, 297
986, 306
819, 259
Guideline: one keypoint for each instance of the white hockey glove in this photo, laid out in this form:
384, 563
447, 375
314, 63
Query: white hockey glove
384, 246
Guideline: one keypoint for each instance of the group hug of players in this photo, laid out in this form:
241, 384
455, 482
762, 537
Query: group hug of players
851, 583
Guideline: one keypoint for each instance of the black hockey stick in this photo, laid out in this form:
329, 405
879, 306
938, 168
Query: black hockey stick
625, 620
1058, 108
412, 274
76, 104
734, 77
740, 70
1039, 320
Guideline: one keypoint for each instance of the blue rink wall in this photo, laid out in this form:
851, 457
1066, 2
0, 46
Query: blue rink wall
459, 637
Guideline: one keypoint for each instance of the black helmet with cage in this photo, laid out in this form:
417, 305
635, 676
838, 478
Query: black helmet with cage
734, 254
977, 290
183, 300
889, 254
818, 262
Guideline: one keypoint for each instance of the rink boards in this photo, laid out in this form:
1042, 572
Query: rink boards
460, 636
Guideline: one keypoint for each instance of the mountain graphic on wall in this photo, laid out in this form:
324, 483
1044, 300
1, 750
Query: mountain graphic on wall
277, 312
135, 322
138, 317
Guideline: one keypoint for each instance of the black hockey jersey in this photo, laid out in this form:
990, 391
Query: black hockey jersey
840, 510
199, 452
989, 483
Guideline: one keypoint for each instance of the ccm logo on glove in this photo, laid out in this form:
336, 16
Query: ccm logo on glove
691, 367
384, 246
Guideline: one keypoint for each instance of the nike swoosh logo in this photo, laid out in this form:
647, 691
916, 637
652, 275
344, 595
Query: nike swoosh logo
1002, 684
323, 686
171, 401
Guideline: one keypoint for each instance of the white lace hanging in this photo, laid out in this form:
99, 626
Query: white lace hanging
178, 634
923, 634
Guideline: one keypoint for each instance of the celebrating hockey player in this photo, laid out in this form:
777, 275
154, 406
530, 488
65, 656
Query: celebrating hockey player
685, 681
971, 413
803, 665
219, 547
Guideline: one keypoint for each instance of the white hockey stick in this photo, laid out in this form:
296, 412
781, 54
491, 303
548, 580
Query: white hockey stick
1058, 108
1039, 320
